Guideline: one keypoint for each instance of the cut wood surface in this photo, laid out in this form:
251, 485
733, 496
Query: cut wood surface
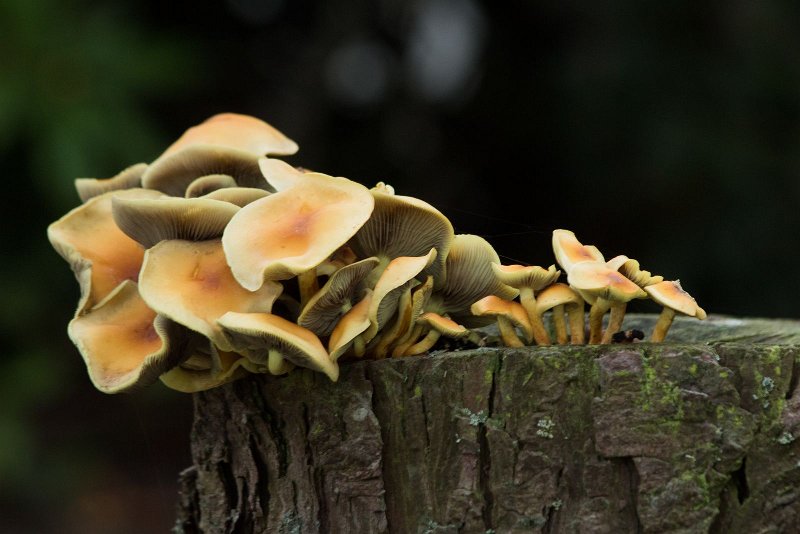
697, 434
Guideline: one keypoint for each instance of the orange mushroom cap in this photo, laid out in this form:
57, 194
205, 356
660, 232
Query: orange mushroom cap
292, 231
670, 294
569, 251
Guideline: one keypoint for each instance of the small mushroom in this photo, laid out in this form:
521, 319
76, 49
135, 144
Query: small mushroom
298, 229
260, 336
191, 283
124, 344
100, 254
188, 378
610, 289
528, 280
438, 326
405, 329
207, 184
509, 314
325, 308
129, 178
559, 297
671, 295
240, 196
152, 220
403, 226
569, 251
348, 330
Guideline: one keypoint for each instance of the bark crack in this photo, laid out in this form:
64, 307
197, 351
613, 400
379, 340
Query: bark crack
316, 475
369, 376
632, 473
485, 458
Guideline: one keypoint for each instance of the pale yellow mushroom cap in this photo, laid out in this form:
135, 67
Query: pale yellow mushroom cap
556, 295
569, 251
294, 230
251, 332
240, 132
670, 294
629, 268
532, 276
350, 325
513, 311
123, 344
596, 279
100, 254
191, 283
127, 179
444, 325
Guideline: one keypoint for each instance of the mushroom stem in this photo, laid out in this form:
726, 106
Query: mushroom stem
662, 325
615, 321
577, 335
307, 282
359, 346
475, 339
407, 341
425, 344
508, 333
596, 313
276, 363
560, 324
528, 301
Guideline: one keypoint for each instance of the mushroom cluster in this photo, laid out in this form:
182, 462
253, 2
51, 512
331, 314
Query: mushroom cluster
216, 261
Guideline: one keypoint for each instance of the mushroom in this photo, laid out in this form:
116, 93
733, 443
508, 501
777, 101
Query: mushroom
224, 144
671, 295
298, 229
398, 275
405, 329
100, 254
149, 220
528, 280
207, 184
187, 378
348, 330
260, 336
127, 179
240, 196
325, 308
609, 289
403, 226
124, 344
557, 297
569, 251
509, 314
438, 326
191, 283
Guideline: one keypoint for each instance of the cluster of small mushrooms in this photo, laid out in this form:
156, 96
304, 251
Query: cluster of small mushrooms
216, 261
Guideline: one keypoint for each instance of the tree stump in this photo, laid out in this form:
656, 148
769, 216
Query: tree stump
694, 435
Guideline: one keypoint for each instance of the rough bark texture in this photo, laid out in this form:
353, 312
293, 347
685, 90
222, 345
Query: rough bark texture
693, 436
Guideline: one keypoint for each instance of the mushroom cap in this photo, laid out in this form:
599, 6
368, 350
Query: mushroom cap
324, 309
630, 270
350, 325
493, 306
298, 228
206, 184
129, 178
240, 132
470, 277
670, 294
191, 283
124, 344
405, 226
556, 295
398, 275
443, 325
259, 331
279, 174
240, 196
173, 173
596, 279
569, 251
185, 380
100, 254
532, 276
152, 220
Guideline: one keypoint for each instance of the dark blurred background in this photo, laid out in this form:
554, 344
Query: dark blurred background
667, 131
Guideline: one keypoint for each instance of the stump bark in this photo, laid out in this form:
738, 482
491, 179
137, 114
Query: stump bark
694, 435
